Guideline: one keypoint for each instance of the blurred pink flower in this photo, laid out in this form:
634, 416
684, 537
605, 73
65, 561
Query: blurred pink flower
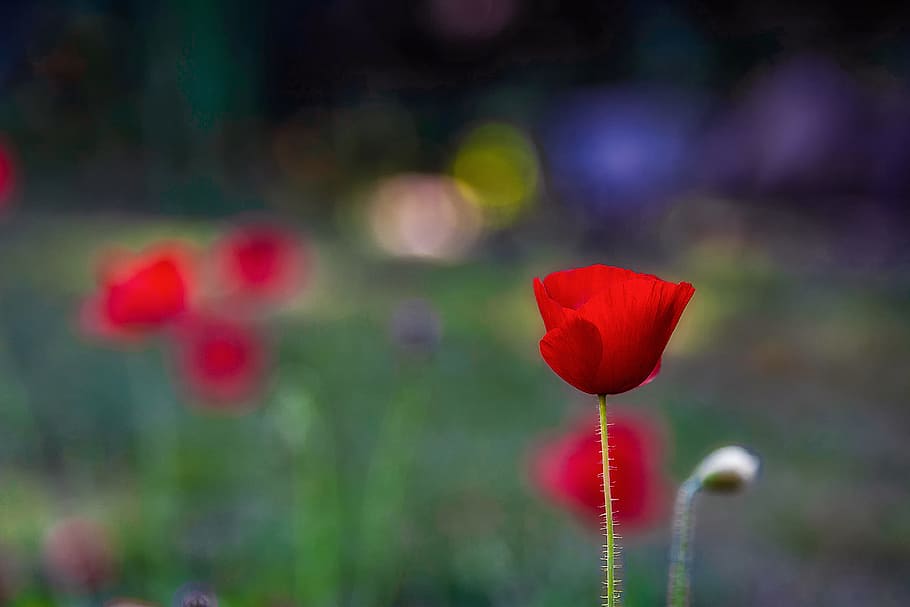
223, 362
568, 470
78, 555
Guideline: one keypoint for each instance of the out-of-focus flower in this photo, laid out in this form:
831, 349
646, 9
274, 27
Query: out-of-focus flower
261, 262
140, 292
195, 594
801, 129
424, 216
568, 469
78, 555
611, 151
222, 362
415, 326
8, 176
607, 327
498, 162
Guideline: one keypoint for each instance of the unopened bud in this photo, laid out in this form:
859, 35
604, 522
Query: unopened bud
195, 594
415, 327
728, 469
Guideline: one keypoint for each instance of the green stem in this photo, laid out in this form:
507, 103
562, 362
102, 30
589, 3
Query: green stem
681, 548
609, 546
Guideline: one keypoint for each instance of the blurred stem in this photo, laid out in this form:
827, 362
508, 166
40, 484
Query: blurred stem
156, 442
385, 491
679, 579
609, 547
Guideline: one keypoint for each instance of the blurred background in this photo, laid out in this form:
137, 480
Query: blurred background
266, 321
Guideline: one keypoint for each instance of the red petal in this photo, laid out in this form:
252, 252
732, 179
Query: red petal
573, 288
654, 373
573, 350
553, 313
636, 319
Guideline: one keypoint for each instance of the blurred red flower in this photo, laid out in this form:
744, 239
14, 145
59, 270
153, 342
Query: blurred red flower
568, 469
221, 361
78, 555
261, 262
607, 327
140, 292
7, 175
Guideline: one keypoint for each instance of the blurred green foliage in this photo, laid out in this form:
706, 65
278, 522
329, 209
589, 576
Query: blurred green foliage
370, 476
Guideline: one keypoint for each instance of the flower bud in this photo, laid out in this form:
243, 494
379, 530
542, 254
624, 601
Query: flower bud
415, 327
727, 470
195, 594
78, 555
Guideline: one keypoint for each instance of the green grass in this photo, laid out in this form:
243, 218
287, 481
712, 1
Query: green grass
371, 478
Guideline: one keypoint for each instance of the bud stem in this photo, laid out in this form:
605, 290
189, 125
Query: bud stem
681, 548
609, 545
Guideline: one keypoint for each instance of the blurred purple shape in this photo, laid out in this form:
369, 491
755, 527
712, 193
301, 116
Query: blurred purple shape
415, 327
800, 130
195, 594
889, 162
470, 19
612, 150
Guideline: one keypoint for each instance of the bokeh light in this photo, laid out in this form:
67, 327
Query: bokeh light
78, 555
424, 216
612, 151
801, 129
469, 20
499, 163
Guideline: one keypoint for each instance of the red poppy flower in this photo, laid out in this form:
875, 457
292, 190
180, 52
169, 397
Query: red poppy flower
569, 470
78, 555
221, 361
140, 292
607, 327
261, 262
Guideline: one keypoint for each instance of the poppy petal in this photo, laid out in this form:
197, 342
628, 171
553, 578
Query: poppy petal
654, 373
636, 319
573, 288
574, 350
552, 312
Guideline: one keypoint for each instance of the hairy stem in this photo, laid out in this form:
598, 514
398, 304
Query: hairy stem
609, 544
680, 574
